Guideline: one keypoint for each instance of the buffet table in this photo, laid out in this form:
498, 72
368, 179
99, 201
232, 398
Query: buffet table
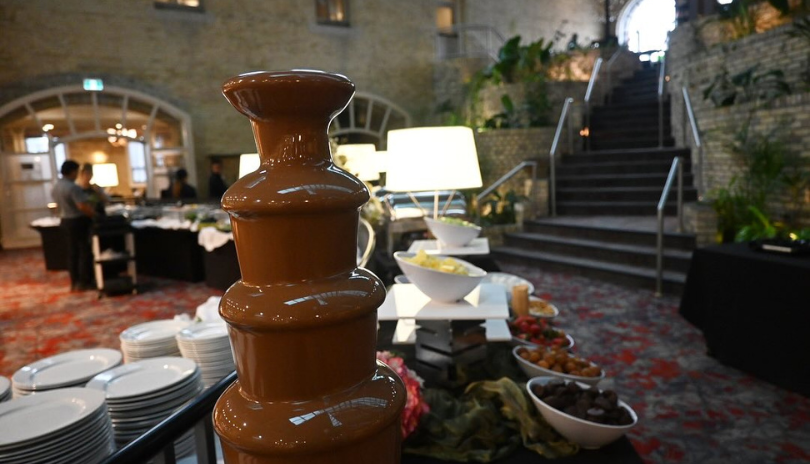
169, 252
618, 452
752, 307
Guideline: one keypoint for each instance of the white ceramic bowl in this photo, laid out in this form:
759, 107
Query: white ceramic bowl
521, 342
440, 286
586, 434
452, 235
533, 370
554, 309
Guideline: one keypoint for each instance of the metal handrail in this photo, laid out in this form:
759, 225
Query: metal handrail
661, 82
591, 83
676, 169
689, 112
512, 173
609, 71
552, 154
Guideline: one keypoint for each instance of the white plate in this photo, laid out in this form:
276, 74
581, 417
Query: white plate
57, 440
63, 369
507, 281
36, 417
5, 387
208, 331
153, 331
143, 377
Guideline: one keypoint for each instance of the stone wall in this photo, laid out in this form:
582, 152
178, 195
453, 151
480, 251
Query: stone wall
538, 18
184, 56
501, 150
788, 117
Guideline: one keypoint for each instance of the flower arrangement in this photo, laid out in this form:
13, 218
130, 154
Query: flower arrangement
415, 406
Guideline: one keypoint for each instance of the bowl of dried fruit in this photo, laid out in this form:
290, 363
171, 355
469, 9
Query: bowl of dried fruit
583, 414
541, 308
557, 362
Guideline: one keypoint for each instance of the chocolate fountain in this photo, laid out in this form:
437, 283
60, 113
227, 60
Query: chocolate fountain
303, 318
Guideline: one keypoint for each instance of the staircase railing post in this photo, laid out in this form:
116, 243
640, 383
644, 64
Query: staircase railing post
588, 93
661, 80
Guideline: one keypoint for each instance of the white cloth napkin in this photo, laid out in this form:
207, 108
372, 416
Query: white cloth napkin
46, 222
210, 238
162, 223
209, 311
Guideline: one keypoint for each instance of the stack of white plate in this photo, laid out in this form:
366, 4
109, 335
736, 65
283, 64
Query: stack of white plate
5, 389
71, 369
68, 425
151, 340
143, 393
208, 345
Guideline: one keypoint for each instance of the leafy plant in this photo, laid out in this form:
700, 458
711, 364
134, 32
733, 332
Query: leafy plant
498, 208
746, 86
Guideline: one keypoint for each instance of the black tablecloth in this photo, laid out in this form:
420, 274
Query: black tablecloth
54, 247
173, 254
222, 266
618, 452
754, 310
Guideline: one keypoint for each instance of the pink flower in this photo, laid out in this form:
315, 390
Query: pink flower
415, 405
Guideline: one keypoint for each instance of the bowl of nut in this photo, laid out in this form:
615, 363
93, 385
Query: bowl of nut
583, 414
443, 279
557, 362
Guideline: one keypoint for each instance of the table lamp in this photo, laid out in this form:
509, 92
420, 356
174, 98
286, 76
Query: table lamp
248, 163
432, 158
105, 175
359, 159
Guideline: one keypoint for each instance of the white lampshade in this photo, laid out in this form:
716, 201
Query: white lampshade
105, 175
248, 163
432, 158
382, 161
360, 160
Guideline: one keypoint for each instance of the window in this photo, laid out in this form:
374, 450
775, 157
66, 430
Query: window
445, 17
36, 144
195, 5
137, 162
332, 12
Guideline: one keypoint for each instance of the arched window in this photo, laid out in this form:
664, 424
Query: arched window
644, 24
146, 138
367, 119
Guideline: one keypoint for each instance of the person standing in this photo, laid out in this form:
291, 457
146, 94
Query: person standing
76, 214
216, 185
179, 189
96, 196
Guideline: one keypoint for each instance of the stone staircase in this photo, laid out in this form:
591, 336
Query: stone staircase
607, 198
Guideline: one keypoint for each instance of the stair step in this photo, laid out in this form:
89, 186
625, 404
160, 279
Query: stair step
607, 233
637, 142
630, 155
620, 180
673, 282
630, 108
619, 167
640, 194
638, 131
631, 254
613, 208
651, 122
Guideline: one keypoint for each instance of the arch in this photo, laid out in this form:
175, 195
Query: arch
83, 115
626, 32
367, 119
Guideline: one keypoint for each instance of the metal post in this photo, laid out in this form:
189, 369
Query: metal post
661, 79
680, 196
570, 121
659, 257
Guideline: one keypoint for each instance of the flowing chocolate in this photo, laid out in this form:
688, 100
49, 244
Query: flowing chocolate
303, 318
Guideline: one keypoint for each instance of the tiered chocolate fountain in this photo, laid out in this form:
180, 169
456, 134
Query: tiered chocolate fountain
303, 319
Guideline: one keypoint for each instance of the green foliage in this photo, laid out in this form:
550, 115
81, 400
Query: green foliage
746, 86
526, 64
768, 168
498, 208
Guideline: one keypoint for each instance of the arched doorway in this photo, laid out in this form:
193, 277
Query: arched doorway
144, 137
643, 25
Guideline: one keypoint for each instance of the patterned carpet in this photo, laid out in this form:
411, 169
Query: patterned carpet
692, 409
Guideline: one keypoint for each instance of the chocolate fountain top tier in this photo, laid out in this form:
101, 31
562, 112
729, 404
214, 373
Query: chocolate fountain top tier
295, 217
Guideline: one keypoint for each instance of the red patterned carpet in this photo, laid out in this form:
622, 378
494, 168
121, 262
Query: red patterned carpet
692, 409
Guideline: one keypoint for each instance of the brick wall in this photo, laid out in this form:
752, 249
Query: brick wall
693, 66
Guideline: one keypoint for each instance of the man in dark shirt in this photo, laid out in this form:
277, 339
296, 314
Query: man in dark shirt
75, 212
216, 185
179, 188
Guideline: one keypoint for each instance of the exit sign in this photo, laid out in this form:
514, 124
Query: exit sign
93, 85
